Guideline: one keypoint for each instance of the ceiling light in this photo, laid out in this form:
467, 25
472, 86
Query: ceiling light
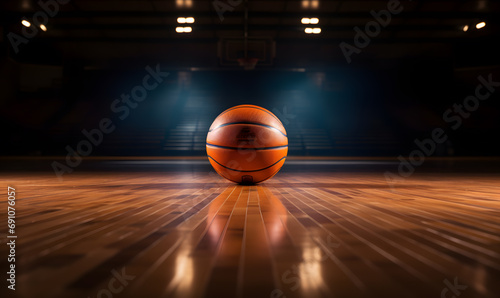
480, 25
183, 20
309, 20
183, 29
42, 26
465, 28
25, 23
312, 30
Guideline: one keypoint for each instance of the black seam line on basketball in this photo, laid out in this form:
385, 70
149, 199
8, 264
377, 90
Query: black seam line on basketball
250, 107
270, 175
243, 171
242, 148
249, 123
225, 176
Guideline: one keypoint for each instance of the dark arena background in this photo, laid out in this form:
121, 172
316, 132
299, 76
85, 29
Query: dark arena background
391, 185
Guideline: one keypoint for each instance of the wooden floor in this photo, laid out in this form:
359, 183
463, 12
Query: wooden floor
301, 234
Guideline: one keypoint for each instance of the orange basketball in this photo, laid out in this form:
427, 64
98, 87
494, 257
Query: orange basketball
247, 144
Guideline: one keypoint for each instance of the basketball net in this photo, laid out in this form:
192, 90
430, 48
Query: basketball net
248, 63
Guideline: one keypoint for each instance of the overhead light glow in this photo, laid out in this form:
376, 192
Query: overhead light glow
184, 3
480, 25
314, 4
25, 4
25, 23
42, 26
465, 28
312, 30
183, 20
309, 20
183, 29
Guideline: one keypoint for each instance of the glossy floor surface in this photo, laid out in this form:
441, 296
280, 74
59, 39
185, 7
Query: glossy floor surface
319, 228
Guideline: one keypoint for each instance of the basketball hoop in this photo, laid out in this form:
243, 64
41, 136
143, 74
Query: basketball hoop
248, 63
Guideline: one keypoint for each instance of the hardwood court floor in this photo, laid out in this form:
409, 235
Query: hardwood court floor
304, 233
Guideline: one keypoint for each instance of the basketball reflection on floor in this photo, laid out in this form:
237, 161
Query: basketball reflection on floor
304, 274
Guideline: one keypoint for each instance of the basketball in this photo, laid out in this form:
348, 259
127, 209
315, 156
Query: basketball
247, 144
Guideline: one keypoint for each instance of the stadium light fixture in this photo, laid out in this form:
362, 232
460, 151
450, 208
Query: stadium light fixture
183, 29
480, 25
312, 30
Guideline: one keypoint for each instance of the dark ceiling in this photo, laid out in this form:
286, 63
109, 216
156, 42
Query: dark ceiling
108, 33
396, 87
